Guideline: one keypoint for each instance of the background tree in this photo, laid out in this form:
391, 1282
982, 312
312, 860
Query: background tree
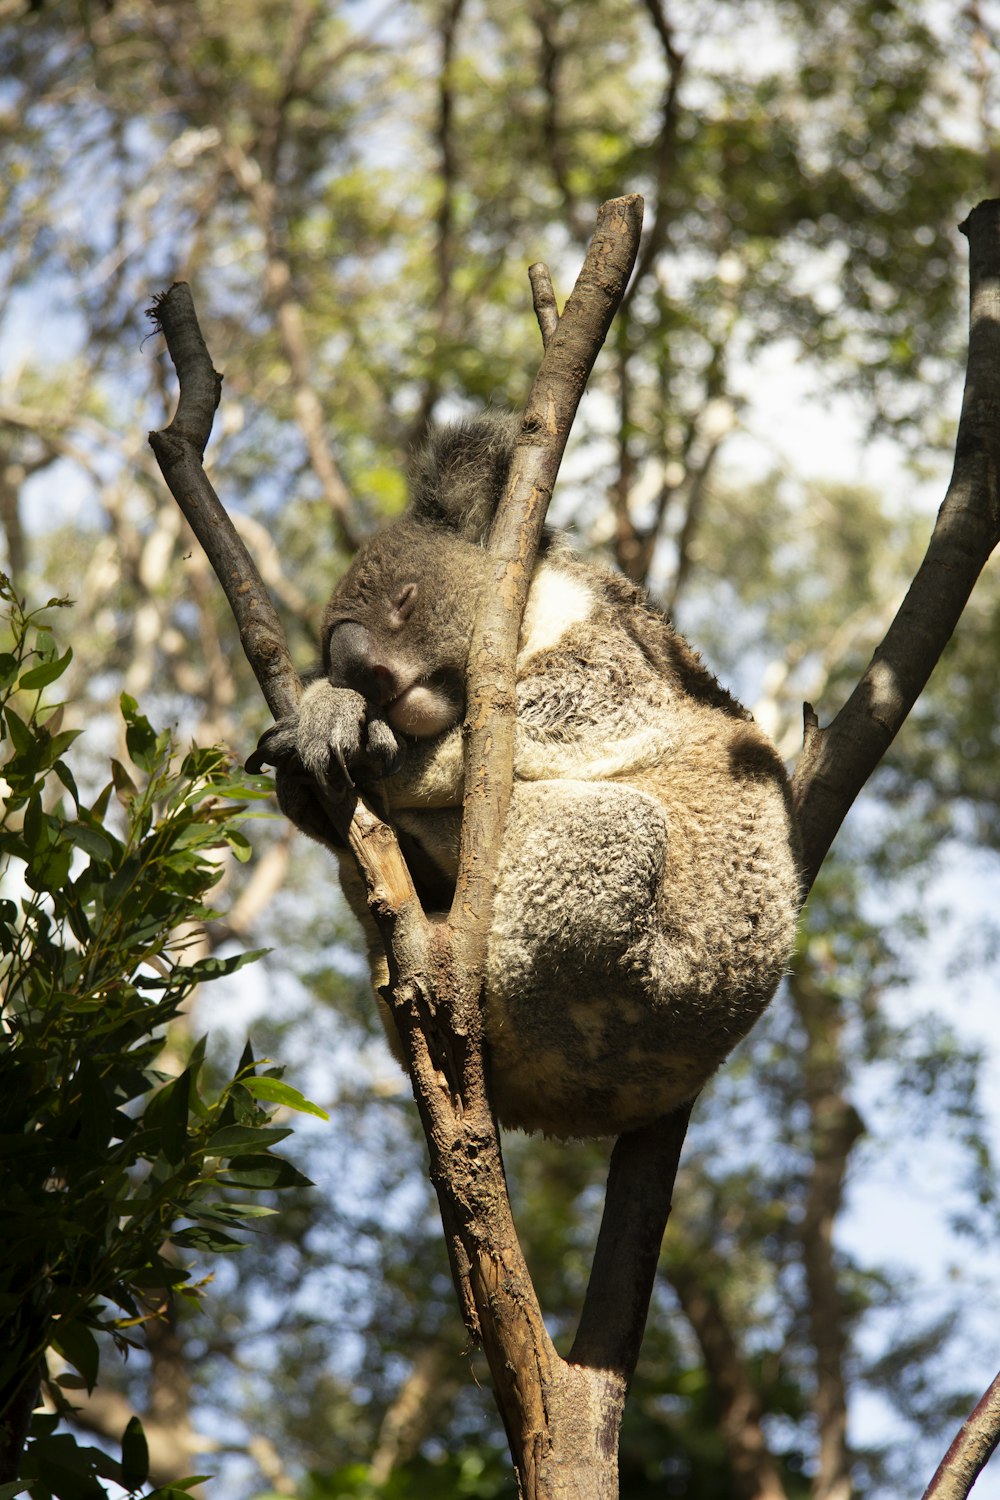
354, 194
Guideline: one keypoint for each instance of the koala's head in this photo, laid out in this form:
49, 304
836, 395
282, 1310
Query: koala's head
398, 625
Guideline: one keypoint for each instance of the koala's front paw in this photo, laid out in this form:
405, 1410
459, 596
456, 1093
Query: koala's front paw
329, 737
335, 728
310, 750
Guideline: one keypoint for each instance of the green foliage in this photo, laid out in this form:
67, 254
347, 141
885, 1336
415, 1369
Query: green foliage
110, 1169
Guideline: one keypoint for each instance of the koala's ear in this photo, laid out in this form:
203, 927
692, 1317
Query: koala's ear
402, 606
457, 478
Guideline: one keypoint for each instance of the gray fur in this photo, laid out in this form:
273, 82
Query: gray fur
647, 890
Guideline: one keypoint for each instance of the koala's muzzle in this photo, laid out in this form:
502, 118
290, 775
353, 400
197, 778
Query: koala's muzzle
355, 660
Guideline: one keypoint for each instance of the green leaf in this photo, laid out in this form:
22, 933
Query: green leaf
48, 671
198, 1238
78, 1346
234, 1214
68, 780
21, 736
263, 1172
277, 1092
167, 1115
9, 665
140, 736
135, 1455
240, 845
93, 841
215, 968
49, 869
178, 1487
232, 1137
124, 785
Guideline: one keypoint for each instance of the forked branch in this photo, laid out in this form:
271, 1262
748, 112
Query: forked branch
561, 1418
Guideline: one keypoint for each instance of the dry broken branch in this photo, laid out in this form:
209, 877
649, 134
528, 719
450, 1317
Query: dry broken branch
179, 450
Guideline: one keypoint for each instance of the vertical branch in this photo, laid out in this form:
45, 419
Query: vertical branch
636, 1207
565, 368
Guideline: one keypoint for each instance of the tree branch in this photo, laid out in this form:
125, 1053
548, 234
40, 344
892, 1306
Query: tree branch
636, 1207
562, 375
643, 1164
544, 299
179, 450
837, 761
970, 1451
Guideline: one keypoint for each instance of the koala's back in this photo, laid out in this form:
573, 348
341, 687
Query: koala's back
648, 887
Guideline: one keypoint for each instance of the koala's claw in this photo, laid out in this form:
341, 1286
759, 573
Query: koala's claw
274, 745
341, 760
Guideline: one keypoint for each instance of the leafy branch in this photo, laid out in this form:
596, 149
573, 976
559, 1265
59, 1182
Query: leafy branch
109, 1169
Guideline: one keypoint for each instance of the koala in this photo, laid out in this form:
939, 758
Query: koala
648, 888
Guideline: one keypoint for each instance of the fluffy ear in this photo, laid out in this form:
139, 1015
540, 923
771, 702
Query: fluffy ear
457, 478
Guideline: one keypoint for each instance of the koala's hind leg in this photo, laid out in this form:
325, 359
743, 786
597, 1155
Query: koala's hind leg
572, 973
580, 880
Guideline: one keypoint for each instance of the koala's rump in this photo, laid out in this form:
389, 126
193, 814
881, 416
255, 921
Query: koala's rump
639, 931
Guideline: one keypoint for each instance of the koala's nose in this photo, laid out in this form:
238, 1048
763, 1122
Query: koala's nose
380, 684
355, 661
